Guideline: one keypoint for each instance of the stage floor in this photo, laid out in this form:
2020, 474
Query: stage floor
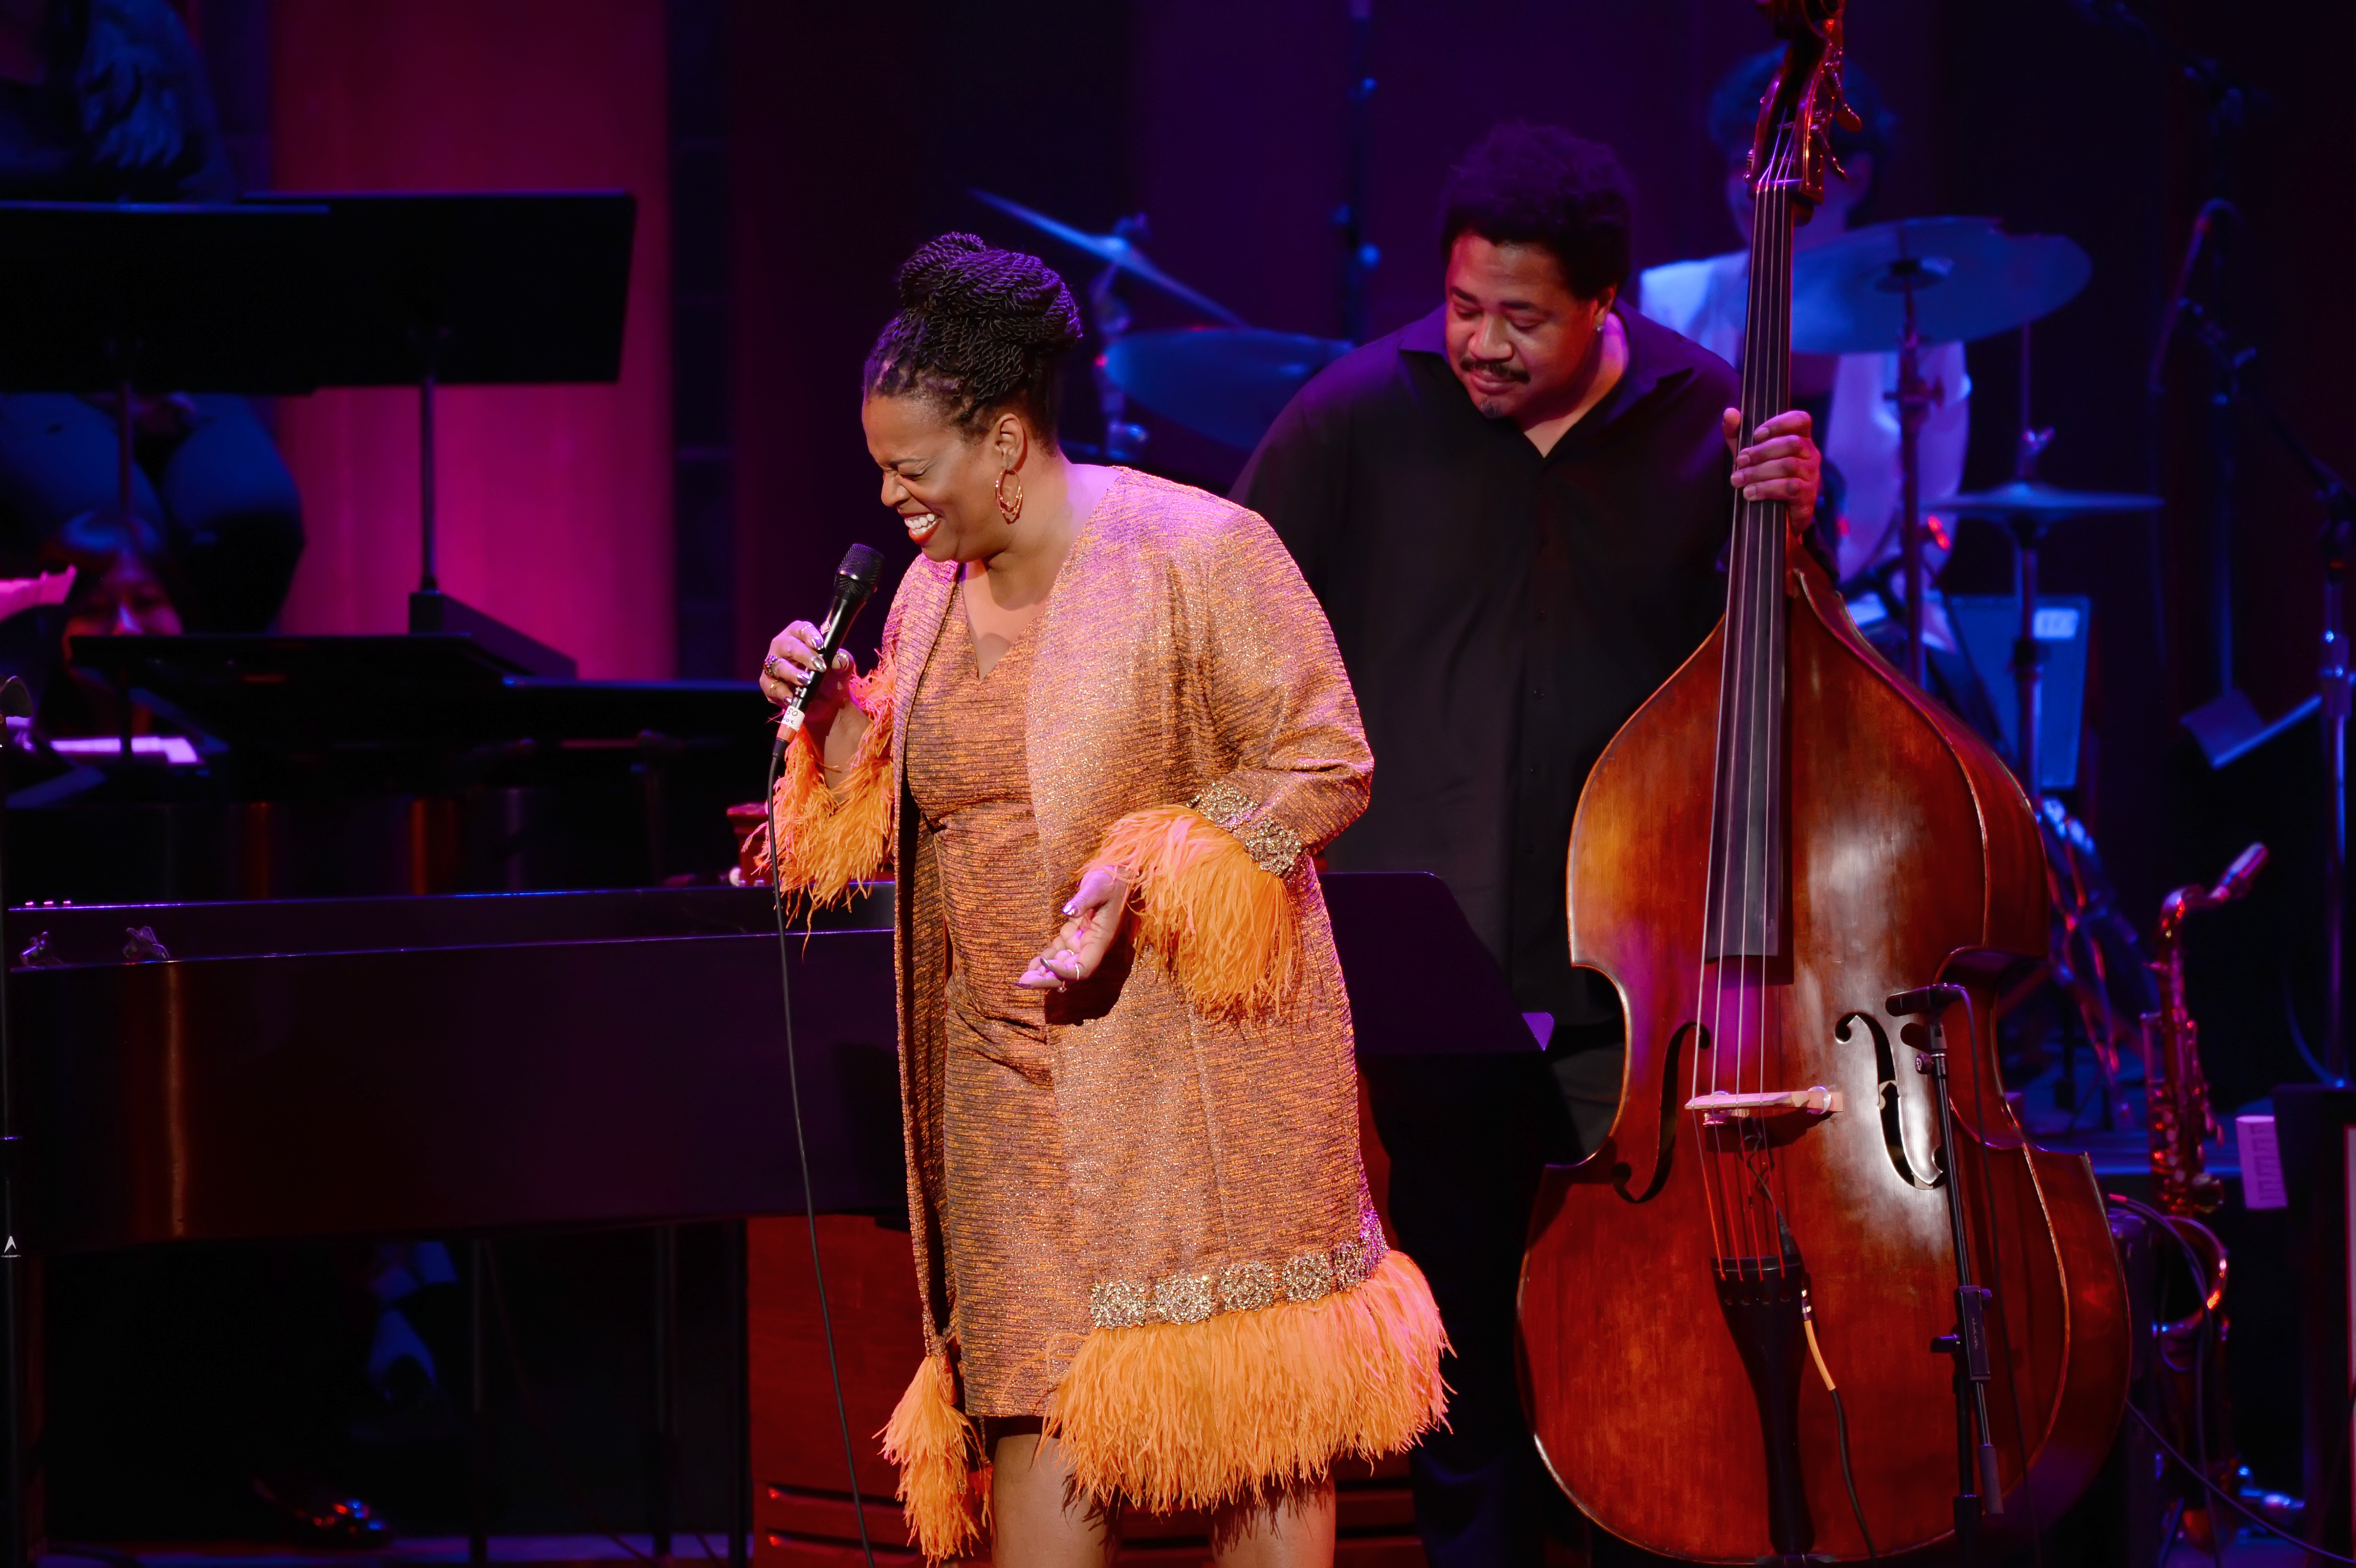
2251, 1551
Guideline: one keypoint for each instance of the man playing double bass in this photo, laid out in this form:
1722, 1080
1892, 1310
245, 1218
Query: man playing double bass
1513, 511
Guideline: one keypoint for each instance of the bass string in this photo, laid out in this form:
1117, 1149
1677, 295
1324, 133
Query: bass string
1759, 726
1730, 1031
1710, 1036
1756, 713
1749, 639
1726, 1057
1758, 633
1769, 716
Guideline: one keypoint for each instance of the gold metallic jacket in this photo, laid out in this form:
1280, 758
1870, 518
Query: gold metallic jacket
1190, 719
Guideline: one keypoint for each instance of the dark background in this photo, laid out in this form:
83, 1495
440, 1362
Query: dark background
811, 147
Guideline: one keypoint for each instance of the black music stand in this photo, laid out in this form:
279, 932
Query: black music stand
118, 297
494, 289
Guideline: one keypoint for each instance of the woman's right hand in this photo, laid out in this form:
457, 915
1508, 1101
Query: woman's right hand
793, 657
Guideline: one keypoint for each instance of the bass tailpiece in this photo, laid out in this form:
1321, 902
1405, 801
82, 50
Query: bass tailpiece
1761, 1299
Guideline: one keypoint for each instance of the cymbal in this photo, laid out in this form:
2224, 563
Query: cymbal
2034, 497
1971, 280
1113, 247
1229, 383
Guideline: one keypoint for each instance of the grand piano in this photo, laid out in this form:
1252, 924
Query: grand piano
506, 1062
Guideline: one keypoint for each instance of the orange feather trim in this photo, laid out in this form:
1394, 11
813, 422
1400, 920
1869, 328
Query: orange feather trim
827, 840
1228, 928
1171, 1415
944, 1486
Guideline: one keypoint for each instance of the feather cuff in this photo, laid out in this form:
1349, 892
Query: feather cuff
824, 840
944, 1485
1226, 927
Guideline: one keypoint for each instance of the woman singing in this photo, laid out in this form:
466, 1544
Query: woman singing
1107, 727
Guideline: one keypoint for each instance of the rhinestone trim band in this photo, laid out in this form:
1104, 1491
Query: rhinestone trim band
1274, 848
1238, 1287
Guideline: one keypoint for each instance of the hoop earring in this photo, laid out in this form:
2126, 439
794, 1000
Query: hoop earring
1012, 510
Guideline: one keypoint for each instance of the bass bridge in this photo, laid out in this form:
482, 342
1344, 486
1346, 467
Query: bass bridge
1720, 1106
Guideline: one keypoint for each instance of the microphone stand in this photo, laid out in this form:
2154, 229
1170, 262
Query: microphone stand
2228, 359
2333, 690
2335, 683
1980, 1485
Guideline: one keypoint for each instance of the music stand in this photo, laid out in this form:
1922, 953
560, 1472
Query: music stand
501, 288
122, 297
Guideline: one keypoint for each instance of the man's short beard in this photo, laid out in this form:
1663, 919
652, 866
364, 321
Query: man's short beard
1492, 407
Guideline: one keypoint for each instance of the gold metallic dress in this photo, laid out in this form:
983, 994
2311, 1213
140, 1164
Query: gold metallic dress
1013, 1271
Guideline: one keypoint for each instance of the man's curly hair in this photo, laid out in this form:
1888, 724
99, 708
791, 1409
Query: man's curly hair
1538, 185
980, 329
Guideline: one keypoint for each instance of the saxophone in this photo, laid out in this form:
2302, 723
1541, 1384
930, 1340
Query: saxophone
2177, 1094
2190, 1377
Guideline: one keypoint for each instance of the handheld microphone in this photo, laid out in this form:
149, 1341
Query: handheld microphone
855, 584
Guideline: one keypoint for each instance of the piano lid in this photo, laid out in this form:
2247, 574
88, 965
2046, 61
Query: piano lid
429, 690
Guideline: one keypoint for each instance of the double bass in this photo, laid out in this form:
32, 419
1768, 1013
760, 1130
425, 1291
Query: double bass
1807, 881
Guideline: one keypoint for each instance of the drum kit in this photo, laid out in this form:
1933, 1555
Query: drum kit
1228, 381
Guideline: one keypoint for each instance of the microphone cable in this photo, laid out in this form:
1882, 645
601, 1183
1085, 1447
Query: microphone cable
801, 1145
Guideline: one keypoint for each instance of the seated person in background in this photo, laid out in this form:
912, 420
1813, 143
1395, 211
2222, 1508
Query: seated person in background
105, 101
118, 590
1849, 394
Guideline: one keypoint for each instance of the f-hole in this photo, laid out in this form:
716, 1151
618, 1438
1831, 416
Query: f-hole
1885, 1094
1671, 1101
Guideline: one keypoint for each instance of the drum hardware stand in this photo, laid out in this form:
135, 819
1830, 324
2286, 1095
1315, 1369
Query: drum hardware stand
16, 714
1124, 439
2028, 656
1979, 1487
1915, 398
1359, 256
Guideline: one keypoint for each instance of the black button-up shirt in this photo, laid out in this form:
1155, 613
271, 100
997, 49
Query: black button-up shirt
1502, 612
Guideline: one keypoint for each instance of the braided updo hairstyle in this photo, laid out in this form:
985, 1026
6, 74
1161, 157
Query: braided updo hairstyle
979, 330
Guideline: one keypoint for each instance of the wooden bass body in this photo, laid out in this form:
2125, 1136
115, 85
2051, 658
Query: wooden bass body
1914, 858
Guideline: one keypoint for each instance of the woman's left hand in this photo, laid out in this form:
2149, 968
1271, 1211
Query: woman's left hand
1092, 920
